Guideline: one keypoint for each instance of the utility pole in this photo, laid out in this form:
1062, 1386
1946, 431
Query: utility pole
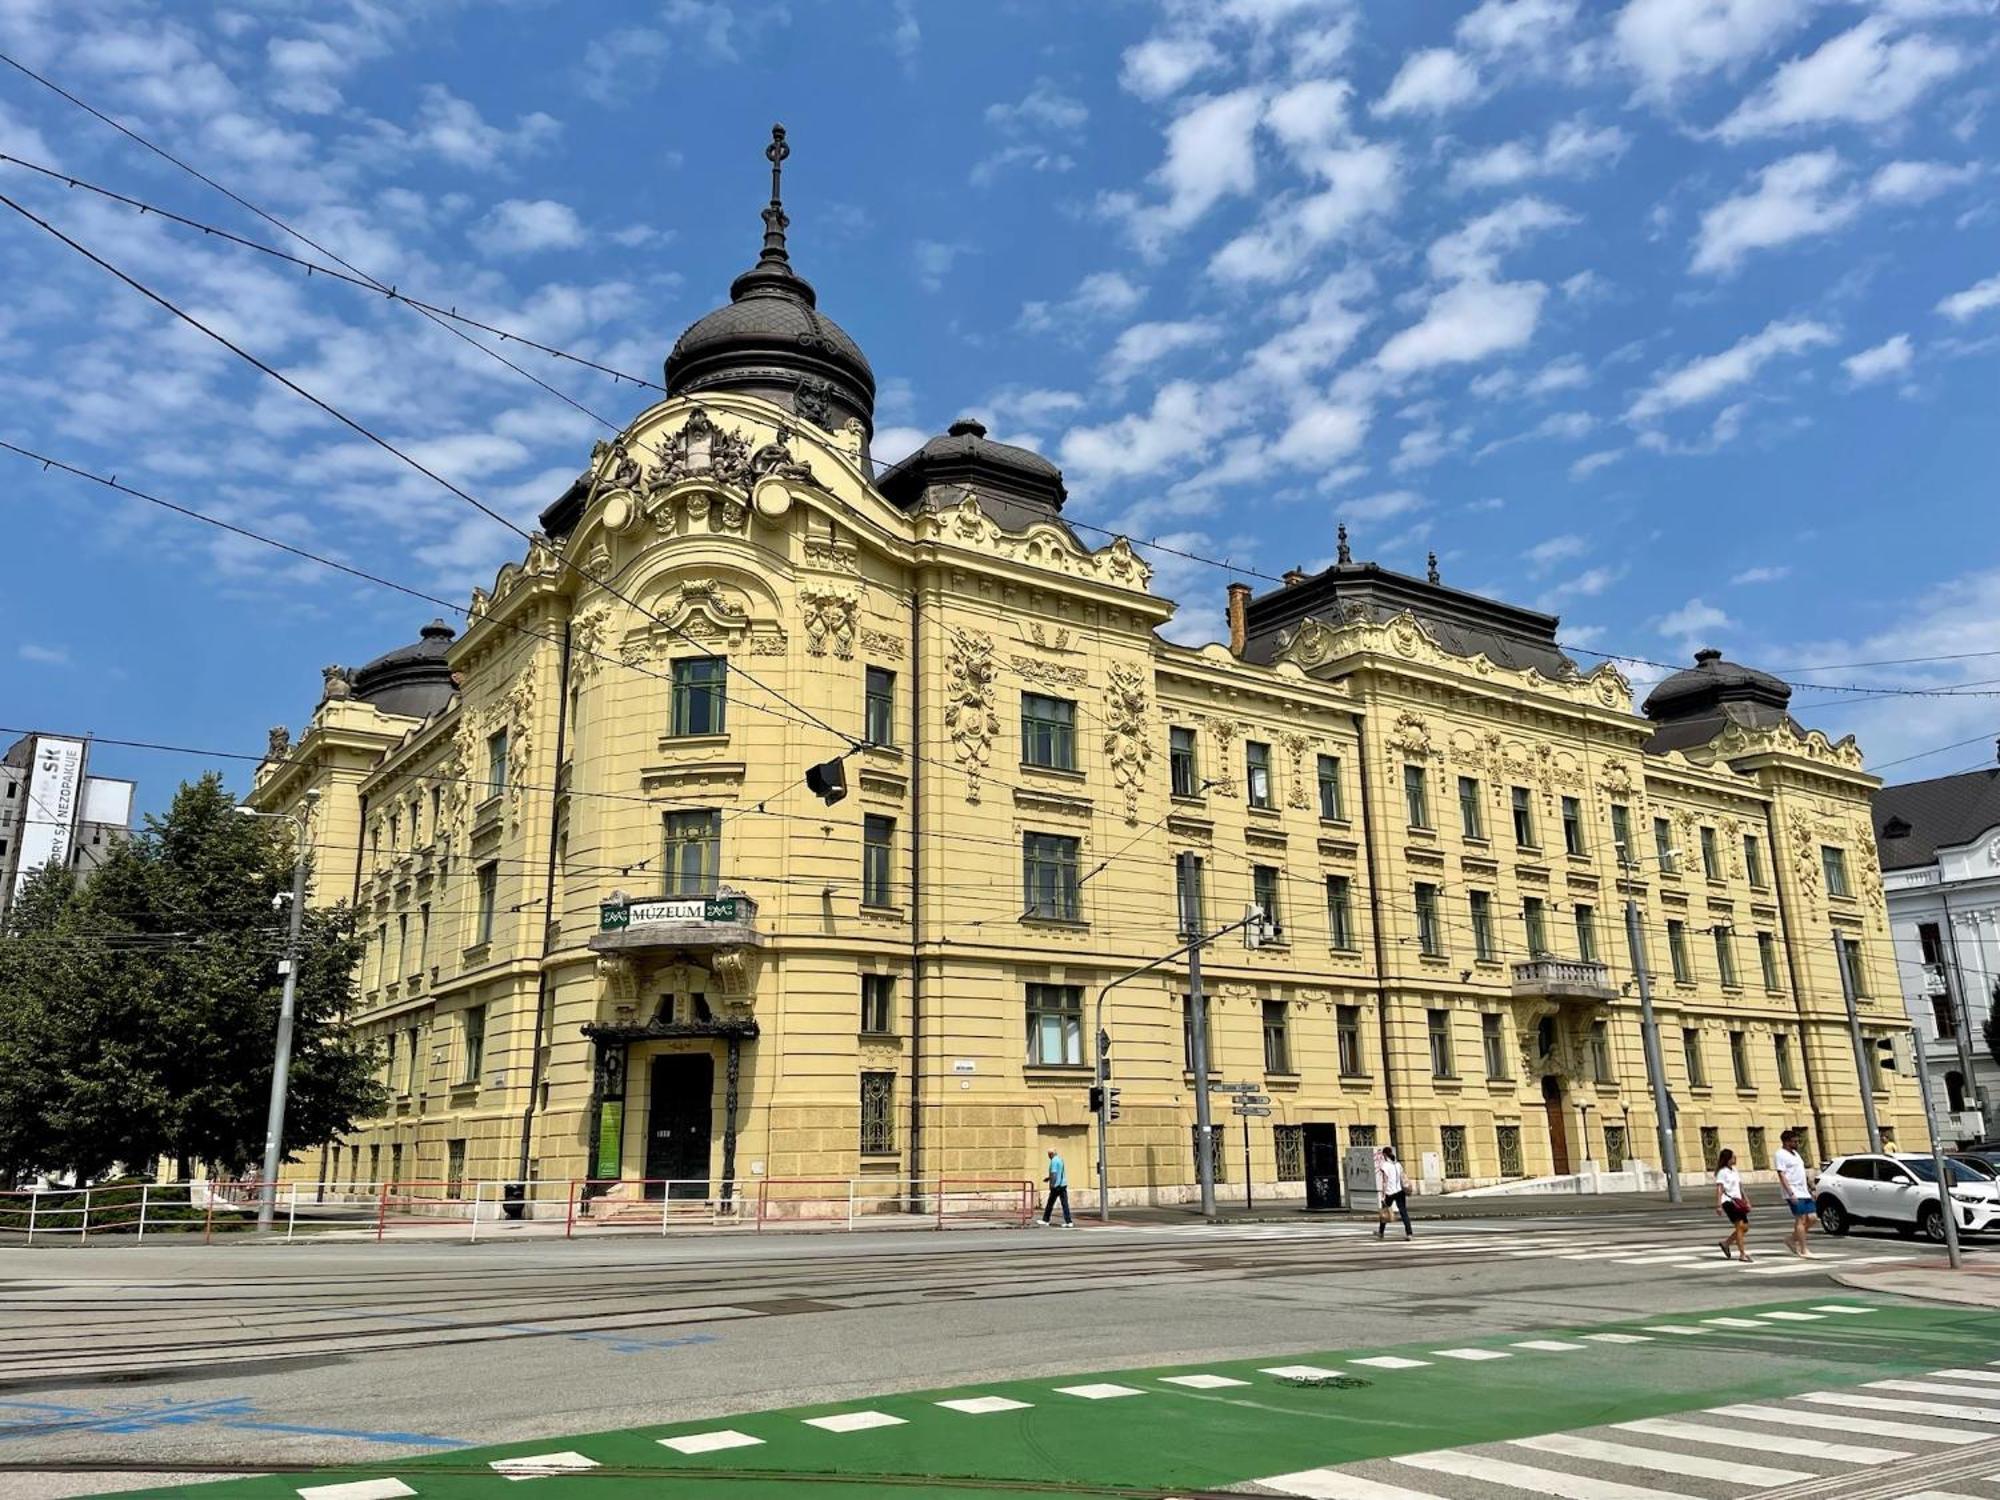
1204, 1127
1937, 1154
1656, 1072
281, 1059
1865, 1073
1961, 1008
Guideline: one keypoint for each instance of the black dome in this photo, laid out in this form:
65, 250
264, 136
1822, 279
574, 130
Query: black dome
771, 340
414, 679
1712, 682
1016, 486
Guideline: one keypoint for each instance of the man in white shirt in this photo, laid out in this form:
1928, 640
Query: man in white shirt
1395, 1191
1791, 1168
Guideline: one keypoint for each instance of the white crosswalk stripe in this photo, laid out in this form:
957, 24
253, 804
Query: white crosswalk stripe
1661, 1460
1935, 1388
1332, 1484
1528, 1477
1824, 1421
1759, 1442
1952, 1411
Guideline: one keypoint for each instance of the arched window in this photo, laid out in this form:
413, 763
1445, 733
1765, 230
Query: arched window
1954, 1092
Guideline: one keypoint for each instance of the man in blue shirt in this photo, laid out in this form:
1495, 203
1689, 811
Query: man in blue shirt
1058, 1181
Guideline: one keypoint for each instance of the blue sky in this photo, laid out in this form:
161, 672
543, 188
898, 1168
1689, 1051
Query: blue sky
1680, 318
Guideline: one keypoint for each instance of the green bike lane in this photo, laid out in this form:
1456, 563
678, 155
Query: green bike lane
1189, 1428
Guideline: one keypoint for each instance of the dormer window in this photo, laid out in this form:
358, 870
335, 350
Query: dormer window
1896, 828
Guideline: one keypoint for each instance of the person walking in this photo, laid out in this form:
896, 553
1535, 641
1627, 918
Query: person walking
1058, 1181
1394, 1189
1733, 1206
1792, 1182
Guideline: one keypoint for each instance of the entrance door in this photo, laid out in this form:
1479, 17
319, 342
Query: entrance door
1322, 1166
1552, 1104
678, 1125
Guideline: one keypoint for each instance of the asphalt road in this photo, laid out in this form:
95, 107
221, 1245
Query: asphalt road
127, 1366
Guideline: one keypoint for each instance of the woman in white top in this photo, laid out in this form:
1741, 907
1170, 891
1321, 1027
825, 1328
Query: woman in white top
1395, 1190
1733, 1206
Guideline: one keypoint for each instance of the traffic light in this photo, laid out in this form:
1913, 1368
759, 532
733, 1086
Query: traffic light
1097, 1098
827, 780
1110, 1104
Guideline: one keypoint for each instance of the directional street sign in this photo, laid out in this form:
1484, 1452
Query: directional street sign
1232, 1088
1252, 1099
1251, 1111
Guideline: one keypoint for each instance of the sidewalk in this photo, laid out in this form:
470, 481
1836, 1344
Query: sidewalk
1976, 1284
1433, 1208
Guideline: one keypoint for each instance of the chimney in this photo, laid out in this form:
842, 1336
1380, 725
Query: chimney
1239, 618
1294, 577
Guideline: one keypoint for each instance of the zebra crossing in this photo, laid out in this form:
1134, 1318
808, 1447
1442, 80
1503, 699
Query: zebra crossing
1935, 1437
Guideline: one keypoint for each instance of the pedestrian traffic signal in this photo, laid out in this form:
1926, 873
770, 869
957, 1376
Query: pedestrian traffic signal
1110, 1104
1096, 1098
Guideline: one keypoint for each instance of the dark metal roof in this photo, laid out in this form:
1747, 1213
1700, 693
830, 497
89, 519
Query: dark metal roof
1696, 704
415, 679
1941, 813
1015, 487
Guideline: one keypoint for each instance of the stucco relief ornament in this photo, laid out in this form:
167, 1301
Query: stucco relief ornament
1411, 736
278, 744
456, 771
812, 400
969, 719
829, 622
1805, 859
775, 460
335, 684
587, 633
520, 739
1126, 743
1295, 746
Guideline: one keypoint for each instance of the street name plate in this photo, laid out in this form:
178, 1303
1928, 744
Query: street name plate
1252, 1111
1231, 1088
613, 916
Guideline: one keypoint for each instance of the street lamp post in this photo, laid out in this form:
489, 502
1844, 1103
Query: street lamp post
281, 1059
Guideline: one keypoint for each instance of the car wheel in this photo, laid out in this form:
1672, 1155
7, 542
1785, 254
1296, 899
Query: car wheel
1832, 1216
1930, 1223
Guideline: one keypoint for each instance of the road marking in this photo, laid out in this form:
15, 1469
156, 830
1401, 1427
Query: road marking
1825, 1421
1735, 1323
1965, 1375
1526, 1477
1950, 1410
1736, 1437
1472, 1354
1617, 1338
854, 1421
1391, 1362
541, 1465
1841, 1307
1331, 1484
1100, 1391
1299, 1372
1792, 1317
357, 1489
1212, 1382
1939, 1495
1552, 1346
1660, 1461
1932, 1388
1683, 1329
980, 1405
694, 1442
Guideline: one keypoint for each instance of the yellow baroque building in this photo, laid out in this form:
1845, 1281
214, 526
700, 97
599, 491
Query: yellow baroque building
612, 935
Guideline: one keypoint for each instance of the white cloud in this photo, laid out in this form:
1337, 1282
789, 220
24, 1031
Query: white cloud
1572, 148
1431, 82
1180, 426
1467, 321
934, 259
43, 656
1762, 575
1567, 373
1102, 294
1474, 250
620, 64
1547, 554
1211, 154
1164, 65
1364, 183
1705, 379
1419, 449
1139, 347
1892, 356
1322, 434
1498, 26
1975, 299
1694, 619
1588, 584
1045, 107
1918, 181
1310, 116
1672, 43
453, 129
1383, 507
1794, 198
894, 444
1861, 77
523, 226
1590, 463
304, 70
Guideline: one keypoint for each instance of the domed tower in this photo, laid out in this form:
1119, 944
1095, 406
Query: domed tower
414, 680
772, 341
1696, 703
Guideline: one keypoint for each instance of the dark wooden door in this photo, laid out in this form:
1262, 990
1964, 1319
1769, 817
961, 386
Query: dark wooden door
679, 1124
1322, 1166
1552, 1105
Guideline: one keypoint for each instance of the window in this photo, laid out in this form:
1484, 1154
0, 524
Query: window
1430, 937
878, 840
1331, 807
1725, 957
1711, 858
395, 1162
1834, 861
1621, 833
1614, 1148
1048, 876
1677, 950
1187, 1032
693, 854
1767, 959
1663, 847
416, 821
1850, 963
878, 1116
1452, 1139
701, 694
1944, 1021
454, 1168
1781, 1054
488, 878
1055, 1024
1691, 1055
1600, 1053
878, 994
878, 706
1257, 766
1340, 912
1362, 1135
374, 1164
1494, 1043
395, 842
1416, 793
1760, 1154
1524, 819
437, 810
1048, 732
1507, 1142
1534, 926
1347, 1030
1440, 1034
1739, 1061
496, 763
1572, 811
1481, 906
389, 1062
1216, 1158
1264, 892
1277, 1043
1753, 861
1469, 820
402, 942
1182, 767
415, 1074
1288, 1146
473, 1055
1711, 1146
1188, 895
1586, 933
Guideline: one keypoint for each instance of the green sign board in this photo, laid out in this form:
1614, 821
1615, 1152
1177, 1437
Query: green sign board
614, 916
610, 1138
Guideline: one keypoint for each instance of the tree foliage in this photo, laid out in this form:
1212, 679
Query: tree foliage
138, 1013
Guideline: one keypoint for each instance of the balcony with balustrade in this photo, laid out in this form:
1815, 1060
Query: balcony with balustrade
1577, 981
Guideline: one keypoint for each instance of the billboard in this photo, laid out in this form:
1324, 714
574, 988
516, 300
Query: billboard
48, 822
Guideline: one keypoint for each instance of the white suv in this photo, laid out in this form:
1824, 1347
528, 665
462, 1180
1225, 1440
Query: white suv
1902, 1192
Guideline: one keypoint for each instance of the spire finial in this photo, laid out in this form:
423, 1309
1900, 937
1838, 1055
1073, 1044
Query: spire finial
1432, 574
775, 222
1343, 556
